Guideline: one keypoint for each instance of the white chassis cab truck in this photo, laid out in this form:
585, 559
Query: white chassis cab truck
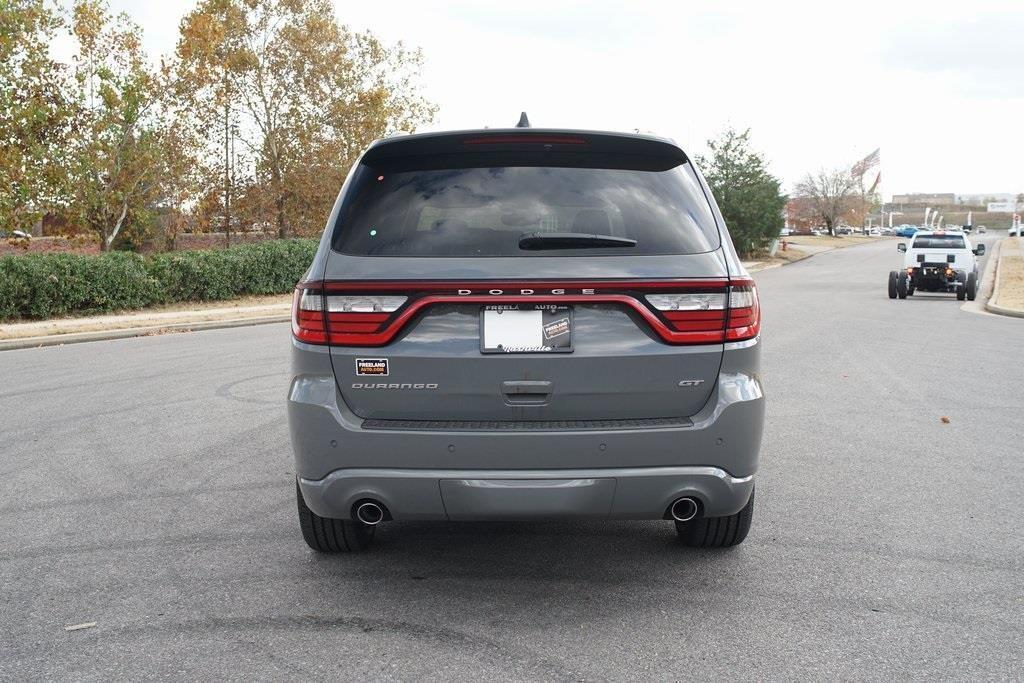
937, 261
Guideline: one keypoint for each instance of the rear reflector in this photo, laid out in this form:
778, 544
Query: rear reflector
373, 313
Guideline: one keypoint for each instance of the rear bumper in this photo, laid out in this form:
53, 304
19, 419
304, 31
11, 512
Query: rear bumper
627, 472
637, 493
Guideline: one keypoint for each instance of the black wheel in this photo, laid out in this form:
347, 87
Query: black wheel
961, 289
717, 532
326, 535
972, 286
892, 284
902, 284
910, 288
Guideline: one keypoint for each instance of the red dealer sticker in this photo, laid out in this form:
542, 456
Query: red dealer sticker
377, 367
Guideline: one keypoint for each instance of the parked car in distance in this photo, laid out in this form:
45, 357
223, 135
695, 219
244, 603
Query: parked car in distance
20, 234
874, 232
525, 324
888, 231
906, 231
1015, 231
785, 232
982, 230
844, 230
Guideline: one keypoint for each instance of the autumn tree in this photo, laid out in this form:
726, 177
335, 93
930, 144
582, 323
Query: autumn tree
116, 146
35, 116
831, 195
747, 194
307, 94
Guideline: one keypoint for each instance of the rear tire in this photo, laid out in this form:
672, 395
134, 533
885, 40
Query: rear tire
892, 284
961, 290
972, 286
902, 284
327, 535
717, 532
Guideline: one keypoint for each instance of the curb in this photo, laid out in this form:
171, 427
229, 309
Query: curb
128, 332
995, 308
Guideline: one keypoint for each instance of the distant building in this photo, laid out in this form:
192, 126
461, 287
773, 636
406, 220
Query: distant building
933, 199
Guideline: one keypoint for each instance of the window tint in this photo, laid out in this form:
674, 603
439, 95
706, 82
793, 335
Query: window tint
939, 242
481, 211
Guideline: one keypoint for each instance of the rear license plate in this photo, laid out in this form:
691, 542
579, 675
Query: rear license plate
526, 328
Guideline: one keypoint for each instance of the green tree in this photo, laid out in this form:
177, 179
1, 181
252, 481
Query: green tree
307, 94
747, 194
35, 116
115, 147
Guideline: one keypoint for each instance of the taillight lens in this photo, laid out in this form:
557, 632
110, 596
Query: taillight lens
744, 312
308, 316
705, 317
321, 319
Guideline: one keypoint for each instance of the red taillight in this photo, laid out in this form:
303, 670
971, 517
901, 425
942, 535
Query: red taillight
728, 313
744, 311
319, 318
308, 316
373, 313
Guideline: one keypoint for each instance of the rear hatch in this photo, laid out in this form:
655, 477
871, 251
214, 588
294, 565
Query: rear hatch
505, 277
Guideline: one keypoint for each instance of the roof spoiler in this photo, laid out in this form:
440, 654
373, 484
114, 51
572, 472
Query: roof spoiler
505, 140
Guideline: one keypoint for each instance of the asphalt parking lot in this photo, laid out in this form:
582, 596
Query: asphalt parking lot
147, 487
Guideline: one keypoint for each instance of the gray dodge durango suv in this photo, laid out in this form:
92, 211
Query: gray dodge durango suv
512, 324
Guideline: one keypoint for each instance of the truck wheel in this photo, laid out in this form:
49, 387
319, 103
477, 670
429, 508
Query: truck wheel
972, 286
327, 535
717, 532
892, 284
902, 284
961, 290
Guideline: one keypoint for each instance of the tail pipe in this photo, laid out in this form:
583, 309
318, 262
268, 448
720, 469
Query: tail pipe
370, 513
683, 509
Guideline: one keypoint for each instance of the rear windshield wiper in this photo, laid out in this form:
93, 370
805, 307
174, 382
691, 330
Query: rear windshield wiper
570, 240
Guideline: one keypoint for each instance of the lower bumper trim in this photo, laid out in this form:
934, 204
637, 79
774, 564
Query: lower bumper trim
619, 493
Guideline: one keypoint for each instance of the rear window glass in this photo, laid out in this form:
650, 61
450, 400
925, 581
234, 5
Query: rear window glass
486, 211
939, 242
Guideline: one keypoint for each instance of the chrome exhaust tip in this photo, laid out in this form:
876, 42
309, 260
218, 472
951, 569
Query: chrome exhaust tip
683, 509
370, 513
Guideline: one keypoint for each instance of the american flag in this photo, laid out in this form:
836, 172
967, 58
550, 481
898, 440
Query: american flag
867, 163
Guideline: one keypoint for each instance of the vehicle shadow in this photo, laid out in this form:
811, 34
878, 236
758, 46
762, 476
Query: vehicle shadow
543, 553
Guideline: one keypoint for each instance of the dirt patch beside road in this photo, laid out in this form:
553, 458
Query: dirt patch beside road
832, 242
1011, 276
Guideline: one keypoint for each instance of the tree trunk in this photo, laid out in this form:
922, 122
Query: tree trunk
109, 239
282, 224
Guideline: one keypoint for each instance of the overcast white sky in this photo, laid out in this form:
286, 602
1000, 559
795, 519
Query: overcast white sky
939, 86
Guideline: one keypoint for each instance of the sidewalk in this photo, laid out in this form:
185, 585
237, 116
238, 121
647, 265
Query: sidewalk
249, 311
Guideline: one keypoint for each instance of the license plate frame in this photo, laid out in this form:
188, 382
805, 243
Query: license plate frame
499, 323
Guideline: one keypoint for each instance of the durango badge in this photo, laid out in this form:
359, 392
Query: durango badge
378, 367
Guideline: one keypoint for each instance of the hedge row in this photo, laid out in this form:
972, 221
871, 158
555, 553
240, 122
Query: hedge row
49, 285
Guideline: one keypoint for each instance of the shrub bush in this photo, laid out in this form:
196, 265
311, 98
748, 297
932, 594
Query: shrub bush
49, 285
